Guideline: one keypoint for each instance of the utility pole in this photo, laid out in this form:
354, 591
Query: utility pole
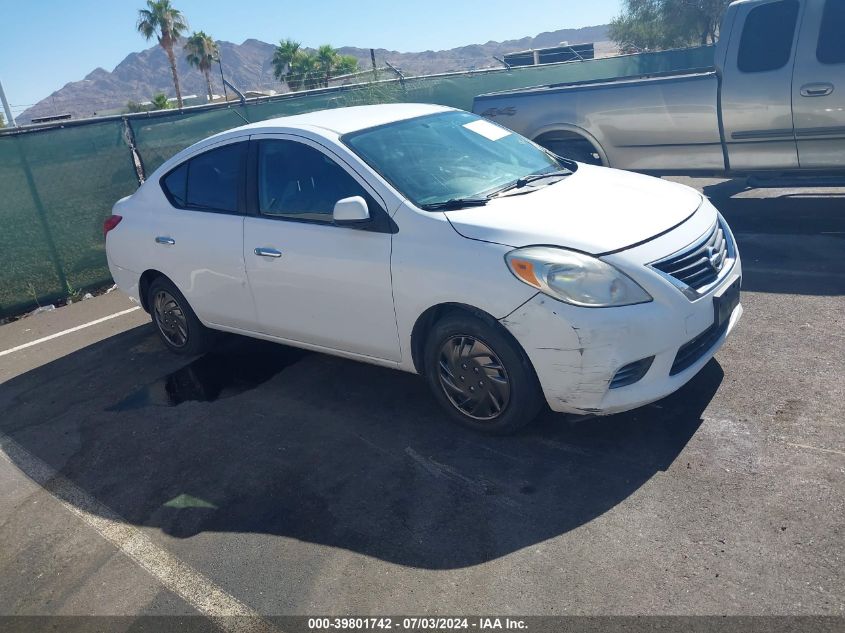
373, 59
9, 118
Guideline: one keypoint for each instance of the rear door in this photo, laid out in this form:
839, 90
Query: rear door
757, 86
313, 281
197, 241
818, 91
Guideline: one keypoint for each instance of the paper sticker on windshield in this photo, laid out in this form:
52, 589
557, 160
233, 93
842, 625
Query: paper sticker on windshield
487, 129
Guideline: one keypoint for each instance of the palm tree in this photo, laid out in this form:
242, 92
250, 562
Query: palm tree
346, 65
161, 20
160, 102
304, 72
283, 57
327, 58
201, 52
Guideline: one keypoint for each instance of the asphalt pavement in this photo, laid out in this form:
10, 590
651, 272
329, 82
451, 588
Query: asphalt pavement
260, 480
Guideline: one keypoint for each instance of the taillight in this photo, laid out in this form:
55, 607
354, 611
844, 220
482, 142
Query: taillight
111, 222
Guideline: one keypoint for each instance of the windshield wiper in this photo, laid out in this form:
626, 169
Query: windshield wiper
519, 183
455, 203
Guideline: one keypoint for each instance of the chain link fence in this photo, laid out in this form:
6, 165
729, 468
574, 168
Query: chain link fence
58, 183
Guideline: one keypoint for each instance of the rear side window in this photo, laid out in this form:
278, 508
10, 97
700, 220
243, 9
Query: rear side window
208, 182
831, 48
175, 184
766, 42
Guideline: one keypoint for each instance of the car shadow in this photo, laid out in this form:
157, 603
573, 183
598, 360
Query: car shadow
790, 243
328, 451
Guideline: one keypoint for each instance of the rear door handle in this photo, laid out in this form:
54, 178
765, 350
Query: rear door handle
162, 239
267, 252
816, 90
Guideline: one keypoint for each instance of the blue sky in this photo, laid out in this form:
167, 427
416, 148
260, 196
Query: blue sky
44, 44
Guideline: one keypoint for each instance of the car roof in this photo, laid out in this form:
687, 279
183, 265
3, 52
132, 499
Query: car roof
337, 121
350, 119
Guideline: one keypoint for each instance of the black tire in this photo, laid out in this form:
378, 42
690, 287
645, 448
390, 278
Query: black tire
581, 151
174, 319
517, 405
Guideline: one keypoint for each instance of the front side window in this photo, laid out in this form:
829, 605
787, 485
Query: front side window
440, 157
299, 182
766, 42
831, 48
208, 182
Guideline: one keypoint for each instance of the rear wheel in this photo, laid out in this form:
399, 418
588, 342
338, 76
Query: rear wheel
480, 375
175, 321
572, 147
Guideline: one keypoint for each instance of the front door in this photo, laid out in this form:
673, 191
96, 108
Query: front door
315, 282
756, 87
818, 91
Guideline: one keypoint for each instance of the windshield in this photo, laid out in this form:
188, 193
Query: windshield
448, 156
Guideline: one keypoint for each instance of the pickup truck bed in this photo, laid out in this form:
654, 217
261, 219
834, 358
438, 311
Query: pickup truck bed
772, 106
653, 120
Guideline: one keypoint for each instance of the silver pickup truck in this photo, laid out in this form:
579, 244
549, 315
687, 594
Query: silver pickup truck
774, 104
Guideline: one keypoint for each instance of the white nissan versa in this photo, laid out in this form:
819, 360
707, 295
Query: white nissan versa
430, 240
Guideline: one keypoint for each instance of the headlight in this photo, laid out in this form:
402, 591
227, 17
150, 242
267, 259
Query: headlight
574, 277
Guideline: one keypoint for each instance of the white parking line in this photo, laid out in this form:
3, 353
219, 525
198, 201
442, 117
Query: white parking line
68, 331
816, 448
227, 612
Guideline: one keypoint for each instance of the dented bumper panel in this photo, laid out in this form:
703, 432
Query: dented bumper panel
577, 351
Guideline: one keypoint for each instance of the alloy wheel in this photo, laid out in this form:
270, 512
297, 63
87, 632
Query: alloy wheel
473, 377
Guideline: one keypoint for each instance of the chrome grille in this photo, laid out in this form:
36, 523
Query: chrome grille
700, 264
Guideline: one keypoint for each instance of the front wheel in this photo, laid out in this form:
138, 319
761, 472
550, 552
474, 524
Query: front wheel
480, 375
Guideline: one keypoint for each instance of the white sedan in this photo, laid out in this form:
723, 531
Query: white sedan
430, 240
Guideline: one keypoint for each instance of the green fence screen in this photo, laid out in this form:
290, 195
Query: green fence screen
160, 137
57, 185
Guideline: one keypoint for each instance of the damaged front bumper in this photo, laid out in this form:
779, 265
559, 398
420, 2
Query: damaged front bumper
576, 352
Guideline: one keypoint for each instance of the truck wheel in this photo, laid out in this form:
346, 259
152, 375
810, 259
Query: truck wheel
575, 149
480, 376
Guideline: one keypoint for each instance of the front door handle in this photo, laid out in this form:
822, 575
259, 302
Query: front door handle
816, 90
267, 252
162, 239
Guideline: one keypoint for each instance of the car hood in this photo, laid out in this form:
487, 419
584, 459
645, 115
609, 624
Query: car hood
595, 210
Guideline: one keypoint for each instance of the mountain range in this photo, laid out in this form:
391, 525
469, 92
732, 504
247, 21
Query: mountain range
141, 75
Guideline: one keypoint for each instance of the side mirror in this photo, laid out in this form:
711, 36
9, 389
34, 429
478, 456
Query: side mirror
351, 211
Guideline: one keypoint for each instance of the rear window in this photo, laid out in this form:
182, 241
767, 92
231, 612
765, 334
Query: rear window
766, 42
831, 48
208, 182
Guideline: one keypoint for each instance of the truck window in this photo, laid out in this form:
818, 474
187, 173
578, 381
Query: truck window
831, 48
766, 42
